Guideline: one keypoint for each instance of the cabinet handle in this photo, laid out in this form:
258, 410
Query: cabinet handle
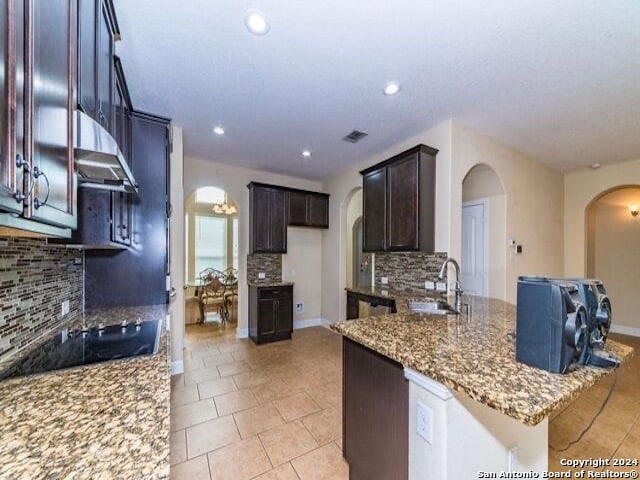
36, 201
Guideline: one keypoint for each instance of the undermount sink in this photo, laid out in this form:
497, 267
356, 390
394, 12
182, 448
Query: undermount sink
431, 307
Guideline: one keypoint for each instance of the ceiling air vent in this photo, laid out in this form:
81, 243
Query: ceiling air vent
355, 136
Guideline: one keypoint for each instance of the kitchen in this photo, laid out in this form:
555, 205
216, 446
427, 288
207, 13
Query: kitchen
553, 197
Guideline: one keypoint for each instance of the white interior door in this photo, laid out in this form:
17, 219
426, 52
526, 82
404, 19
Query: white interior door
474, 248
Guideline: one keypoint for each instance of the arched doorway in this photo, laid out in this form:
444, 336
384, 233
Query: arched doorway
211, 251
611, 245
483, 233
358, 264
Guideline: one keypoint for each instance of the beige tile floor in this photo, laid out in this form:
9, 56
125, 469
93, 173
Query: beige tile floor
269, 412
274, 412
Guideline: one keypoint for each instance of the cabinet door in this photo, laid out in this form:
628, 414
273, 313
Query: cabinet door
261, 224
105, 76
278, 221
374, 209
87, 15
353, 306
298, 208
284, 319
403, 181
10, 174
51, 38
318, 211
121, 202
266, 317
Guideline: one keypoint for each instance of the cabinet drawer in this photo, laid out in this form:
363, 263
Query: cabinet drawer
274, 292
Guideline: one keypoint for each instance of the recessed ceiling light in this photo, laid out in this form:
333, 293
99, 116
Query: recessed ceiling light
595, 166
256, 22
306, 153
218, 130
391, 88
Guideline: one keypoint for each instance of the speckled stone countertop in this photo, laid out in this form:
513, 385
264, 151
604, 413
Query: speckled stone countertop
270, 284
474, 355
102, 421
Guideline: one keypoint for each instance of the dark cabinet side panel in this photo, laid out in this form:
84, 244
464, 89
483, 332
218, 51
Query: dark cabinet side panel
404, 203
105, 73
375, 415
137, 276
352, 306
374, 210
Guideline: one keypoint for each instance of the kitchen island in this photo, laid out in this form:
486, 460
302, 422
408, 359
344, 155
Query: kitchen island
461, 370
105, 420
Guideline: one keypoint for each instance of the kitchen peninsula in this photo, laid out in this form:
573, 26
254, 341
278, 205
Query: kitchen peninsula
460, 373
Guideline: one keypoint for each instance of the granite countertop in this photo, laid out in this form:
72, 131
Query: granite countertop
474, 356
107, 420
270, 283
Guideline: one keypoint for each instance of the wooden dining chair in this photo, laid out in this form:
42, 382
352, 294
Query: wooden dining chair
212, 294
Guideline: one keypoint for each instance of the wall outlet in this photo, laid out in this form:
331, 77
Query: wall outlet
262, 275
65, 307
424, 422
300, 307
429, 285
77, 261
512, 461
384, 280
441, 287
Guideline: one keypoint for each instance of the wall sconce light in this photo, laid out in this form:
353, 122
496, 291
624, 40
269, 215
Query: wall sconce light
633, 210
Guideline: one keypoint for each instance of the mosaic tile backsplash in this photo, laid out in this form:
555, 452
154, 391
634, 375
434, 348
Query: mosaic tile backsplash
35, 278
408, 270
269, 263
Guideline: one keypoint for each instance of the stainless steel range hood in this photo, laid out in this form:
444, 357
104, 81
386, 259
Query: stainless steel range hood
99, 161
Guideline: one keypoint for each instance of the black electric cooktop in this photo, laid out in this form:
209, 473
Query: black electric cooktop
73, 348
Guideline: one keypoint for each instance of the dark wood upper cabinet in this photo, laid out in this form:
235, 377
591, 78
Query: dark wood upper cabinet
37, 176
374, 210
121, 202
98, 31
267, 218
308, 209
298, 208
51, 49
10, 105
399, 202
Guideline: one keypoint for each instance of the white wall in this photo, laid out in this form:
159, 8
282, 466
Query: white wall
617, 257
201, 173
534, 204
176, 223
354, 211
580, 188
343, 186
483, 183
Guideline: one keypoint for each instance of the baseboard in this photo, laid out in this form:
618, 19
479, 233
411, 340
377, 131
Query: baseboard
242, 333
177, 367
633, 331
306, 323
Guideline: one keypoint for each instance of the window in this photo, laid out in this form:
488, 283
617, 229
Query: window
210, 242
210, 195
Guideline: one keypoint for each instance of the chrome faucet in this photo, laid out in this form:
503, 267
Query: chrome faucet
458, 285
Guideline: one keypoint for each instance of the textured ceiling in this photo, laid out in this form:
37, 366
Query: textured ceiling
558, 81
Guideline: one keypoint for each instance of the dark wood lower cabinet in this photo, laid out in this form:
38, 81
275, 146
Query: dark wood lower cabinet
375, 420
270, 313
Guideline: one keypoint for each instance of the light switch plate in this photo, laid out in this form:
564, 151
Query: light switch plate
429, 285
65, 307
441, 287
384, 280
262, 275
